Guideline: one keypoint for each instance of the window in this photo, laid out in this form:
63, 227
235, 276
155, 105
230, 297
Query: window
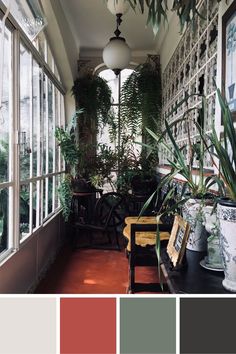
30, 165
6, 176
115, 83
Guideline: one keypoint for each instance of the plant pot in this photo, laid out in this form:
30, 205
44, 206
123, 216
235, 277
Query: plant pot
80, 185
193, 213
214, 257
226, 211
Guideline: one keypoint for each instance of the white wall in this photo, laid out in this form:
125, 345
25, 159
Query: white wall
22, 270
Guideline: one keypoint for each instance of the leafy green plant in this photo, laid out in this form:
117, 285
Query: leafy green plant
65, 196
226, 149
93, 95
186, 10
141, 101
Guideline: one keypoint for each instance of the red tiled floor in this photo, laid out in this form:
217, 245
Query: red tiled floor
92, 271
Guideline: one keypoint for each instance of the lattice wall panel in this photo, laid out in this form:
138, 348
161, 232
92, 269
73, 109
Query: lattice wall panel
192, 69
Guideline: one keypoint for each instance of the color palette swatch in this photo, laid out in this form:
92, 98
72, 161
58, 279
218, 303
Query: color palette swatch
28, 326
207, 325
147, 326
88, 326
118, 325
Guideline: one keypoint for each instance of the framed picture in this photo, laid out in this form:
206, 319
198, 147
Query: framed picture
178, 240
229, 57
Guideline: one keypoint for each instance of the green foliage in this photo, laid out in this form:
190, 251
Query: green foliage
186, 10
67, 142
65, 195
226, 149
141, 101
4, 160
93, 94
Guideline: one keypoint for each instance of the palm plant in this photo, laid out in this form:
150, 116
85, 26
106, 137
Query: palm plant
226, 149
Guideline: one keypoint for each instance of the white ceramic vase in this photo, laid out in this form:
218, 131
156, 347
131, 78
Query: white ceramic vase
192, 212
214, 257
226, 211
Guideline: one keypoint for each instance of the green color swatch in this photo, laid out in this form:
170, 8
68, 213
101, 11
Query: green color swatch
148, 326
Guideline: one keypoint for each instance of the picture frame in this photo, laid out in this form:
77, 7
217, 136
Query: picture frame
229, 58
178, 240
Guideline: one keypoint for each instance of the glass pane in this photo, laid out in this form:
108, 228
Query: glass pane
124, 75
24, 210
36, 114
50, 127
45, 195
50, 60
34, 205
25, 112
45, 125
42, 45
57, 181
4, 224
29, 16
113, 83
5, 110
50, 194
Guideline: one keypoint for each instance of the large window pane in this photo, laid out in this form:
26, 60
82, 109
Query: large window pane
36, 118
24, 210
51, 139
5, 104
25, 112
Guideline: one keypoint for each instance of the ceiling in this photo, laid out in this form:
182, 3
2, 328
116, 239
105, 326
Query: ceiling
92, 26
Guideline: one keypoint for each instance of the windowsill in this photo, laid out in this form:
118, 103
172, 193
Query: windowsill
6, 255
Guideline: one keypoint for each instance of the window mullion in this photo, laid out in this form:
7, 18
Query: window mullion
16, 147
54, 147
47, 146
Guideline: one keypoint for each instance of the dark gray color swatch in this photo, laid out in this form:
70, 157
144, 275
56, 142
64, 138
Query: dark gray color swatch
207, 325
148, 326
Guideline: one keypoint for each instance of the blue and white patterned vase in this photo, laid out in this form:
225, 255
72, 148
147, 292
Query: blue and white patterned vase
214, 258
226, 212
193, 213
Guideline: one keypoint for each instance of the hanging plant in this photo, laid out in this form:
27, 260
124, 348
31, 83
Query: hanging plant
93, 94
141, 101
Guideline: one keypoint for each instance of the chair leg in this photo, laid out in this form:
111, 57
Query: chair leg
131, 278
117, 240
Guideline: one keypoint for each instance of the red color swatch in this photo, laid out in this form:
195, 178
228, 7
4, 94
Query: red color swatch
88, 326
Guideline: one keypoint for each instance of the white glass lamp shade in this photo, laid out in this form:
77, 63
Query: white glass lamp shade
118, 6
117, 54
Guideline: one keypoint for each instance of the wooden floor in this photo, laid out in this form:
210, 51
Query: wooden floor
91, 271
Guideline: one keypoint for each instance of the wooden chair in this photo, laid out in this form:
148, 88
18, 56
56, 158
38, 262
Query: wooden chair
109, 213
141, 235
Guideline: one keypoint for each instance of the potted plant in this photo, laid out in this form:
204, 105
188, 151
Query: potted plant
225, 149
196, 191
